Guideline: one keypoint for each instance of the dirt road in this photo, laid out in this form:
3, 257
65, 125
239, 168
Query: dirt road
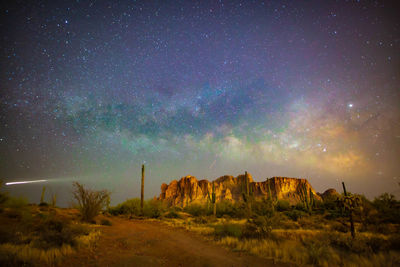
151, 243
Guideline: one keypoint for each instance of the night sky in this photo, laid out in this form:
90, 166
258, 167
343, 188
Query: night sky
90, 90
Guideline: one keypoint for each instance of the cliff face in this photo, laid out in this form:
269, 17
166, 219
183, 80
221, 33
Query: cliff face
189, 190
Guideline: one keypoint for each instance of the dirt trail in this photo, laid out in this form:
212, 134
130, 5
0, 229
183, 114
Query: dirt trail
151, 243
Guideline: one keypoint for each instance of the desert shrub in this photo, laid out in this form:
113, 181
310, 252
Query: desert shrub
90, 203
153, 208
265, 207
311, 222
105, 222
200, 220
43, 204
56, 232
282, 205
295, 214
172, 215
317, 250
228, 229
129, 207
3, 196
196, 210
6, 236
339, 227
394, 241
226, 207
260, 227
361, 244
388, 208
16, 203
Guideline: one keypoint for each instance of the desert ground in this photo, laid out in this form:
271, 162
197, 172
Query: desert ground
152, 243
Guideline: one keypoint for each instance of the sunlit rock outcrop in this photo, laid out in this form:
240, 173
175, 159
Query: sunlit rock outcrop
190, 190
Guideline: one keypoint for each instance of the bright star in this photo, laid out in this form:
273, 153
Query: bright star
350, 105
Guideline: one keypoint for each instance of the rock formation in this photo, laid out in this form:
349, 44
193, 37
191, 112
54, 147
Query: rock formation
331, 194
190, 190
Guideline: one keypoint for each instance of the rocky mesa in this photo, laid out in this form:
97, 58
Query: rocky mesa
190, 190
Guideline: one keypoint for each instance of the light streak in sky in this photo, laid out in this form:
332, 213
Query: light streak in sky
26, 182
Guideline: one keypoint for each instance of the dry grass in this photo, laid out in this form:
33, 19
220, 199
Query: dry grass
27, 255
13, 254
302, 247
294, 252
89, 240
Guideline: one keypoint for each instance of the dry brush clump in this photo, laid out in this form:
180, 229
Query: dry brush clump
90, 202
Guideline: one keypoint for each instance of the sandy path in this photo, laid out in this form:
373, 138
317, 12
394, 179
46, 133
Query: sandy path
151, 243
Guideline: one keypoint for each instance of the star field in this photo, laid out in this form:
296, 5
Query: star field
90, 90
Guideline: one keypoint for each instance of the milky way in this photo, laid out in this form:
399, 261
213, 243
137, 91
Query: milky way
90, 90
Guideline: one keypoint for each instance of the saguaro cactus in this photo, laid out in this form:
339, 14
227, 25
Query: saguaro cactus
213, 200
247, 192
350, 203
306, 197
142, 191
42, 196
54, 200
269, 190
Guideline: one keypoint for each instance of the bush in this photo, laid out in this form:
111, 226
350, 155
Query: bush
129, 207
295, 214
200, 220
172, 215
260, 227
16, 203
228, 229
226, 207
153, 208
388, 208
196, 210
56, 232
105, 222
90, 203
282, 205
3, 196
265, 207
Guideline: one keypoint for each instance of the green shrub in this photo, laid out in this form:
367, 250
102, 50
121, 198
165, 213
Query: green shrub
200, 220
295, 214
172, 215
260, 227
282, 205
153, 208
105, 222
196, 209
228, 229
265, 207
16, 203
129, 207
388, 208
226, 207
90, 202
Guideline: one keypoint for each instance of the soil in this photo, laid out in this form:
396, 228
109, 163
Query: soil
152, 243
